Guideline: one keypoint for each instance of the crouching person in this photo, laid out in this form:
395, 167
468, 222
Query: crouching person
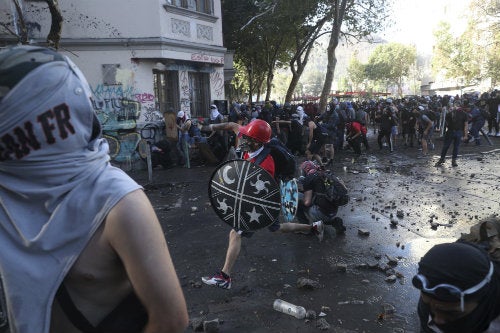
313, 202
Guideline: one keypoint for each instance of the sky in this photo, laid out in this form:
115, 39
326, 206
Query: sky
416, 20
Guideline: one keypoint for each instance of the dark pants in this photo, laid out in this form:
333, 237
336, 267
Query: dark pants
450, 137
493, 123
339, 142
356, 144
387, 134
408, 135
364, 140
475, 128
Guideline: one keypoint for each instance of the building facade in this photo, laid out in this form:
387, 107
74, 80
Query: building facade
144, 60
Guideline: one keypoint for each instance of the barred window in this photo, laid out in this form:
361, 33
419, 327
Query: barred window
199, 87
166, 88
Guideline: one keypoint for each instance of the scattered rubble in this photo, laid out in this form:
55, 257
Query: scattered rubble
305, 283
322, 324
311, 314
211, 326
363, 232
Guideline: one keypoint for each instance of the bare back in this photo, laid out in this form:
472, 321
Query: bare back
96, 283
127, 253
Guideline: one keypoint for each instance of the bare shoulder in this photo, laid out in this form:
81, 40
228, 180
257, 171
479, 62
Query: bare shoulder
98, 281
134, 232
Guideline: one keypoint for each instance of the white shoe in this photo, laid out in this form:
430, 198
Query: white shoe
318, 229
498, 134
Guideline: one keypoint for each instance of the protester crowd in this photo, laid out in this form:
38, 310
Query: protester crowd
398, 124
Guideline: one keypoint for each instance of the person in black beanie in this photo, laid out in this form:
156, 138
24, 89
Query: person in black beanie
459, 290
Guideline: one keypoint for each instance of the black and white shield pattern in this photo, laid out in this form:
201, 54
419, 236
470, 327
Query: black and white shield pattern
244, 195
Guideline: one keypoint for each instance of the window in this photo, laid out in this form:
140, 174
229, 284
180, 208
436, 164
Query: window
166, 86
199, 87
202, 6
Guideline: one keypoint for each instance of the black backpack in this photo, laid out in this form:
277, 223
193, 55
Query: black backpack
431, 115
324, 130
284, 160
335, 190
194, 130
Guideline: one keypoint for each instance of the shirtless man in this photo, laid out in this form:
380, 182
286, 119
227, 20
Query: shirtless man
81, 249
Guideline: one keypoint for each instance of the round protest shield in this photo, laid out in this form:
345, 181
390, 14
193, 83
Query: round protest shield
289, 199
244, 195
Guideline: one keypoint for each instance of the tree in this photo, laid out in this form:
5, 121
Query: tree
392, 63
485, 18
356, 72
493, 62
304, 38
22, 35
445, 45
361, 19
456, 57
265, 34
292, 28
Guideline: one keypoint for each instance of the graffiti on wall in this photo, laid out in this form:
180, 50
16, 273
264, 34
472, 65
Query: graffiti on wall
217, 84
185, 92
118, 107
207, 58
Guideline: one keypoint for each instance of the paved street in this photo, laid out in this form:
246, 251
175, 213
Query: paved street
427, 205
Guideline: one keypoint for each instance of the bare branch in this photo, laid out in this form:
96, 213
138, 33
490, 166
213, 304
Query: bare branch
54, 35
23, 35
270, 9
6, 27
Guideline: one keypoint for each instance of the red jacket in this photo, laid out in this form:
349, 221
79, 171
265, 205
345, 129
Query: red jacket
267, 164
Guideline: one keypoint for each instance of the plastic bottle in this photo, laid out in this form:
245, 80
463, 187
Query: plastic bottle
297, 311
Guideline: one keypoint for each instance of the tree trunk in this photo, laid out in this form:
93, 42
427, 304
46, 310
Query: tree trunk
250, 84
23, 33
400, 87
269, 85
54, 35
297, 66
291, 87
340, 7
330, 71
299, 60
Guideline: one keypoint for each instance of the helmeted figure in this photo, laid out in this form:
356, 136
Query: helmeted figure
259, 130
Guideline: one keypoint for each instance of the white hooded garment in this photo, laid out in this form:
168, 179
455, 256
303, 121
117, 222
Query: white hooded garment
56, 188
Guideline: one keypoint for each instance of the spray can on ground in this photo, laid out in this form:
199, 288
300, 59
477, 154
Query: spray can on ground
297, 311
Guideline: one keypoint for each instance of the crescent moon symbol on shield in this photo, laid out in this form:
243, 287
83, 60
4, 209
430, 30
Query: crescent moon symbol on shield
227, 180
